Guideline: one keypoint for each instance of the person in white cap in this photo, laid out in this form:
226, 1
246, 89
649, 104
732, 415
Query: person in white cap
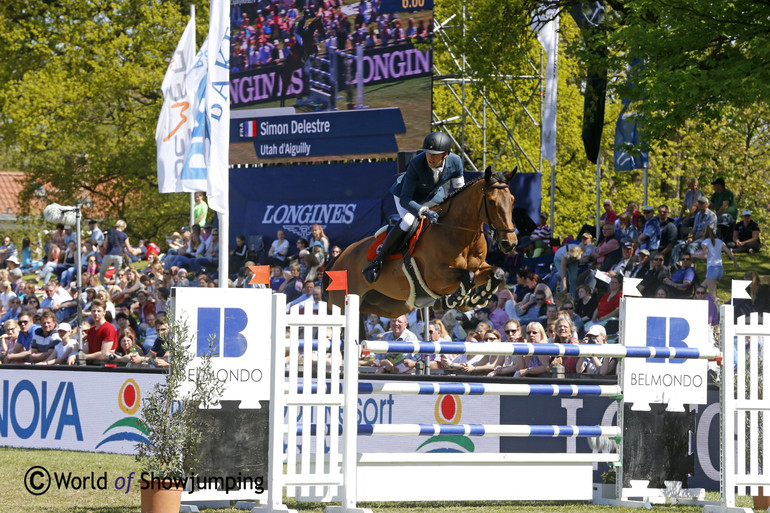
595, 364
12, 264
745, 234
66, 350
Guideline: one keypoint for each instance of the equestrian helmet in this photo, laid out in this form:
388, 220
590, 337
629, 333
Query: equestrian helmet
437, 142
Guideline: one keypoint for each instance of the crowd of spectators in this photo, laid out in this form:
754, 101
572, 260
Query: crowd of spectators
574, 299
269, 32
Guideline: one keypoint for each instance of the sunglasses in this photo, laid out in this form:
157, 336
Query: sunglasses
22, 323
533, 333
539, 299
431, 332
514, 330
590, 337
567, 307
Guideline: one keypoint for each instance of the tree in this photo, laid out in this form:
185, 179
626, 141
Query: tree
79, 100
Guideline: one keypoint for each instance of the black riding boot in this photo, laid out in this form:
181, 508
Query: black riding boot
393, 241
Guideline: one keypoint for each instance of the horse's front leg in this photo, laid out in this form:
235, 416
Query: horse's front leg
489, 279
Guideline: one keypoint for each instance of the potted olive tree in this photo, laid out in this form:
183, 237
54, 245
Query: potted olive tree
169, 414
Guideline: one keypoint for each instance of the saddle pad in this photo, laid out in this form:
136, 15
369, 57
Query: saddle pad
379, 238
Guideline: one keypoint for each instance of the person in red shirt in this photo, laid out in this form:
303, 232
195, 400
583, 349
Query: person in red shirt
102, 337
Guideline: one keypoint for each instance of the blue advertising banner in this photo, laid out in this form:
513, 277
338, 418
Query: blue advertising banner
320, 133
350, 201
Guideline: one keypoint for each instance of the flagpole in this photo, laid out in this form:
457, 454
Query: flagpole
598, 191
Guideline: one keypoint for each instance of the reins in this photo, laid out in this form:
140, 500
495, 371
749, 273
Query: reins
486, 213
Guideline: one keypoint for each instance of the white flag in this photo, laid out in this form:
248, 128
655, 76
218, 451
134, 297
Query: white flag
176, 116
194, 169
218, 106
546, 26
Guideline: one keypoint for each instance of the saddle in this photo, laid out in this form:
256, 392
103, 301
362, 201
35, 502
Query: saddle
379, 238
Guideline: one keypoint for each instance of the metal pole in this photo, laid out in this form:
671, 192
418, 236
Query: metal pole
646, 186
78, 259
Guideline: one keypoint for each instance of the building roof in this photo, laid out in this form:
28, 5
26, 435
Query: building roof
11, 184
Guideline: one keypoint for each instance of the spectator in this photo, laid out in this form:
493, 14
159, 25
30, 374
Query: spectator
625, 229
116, 242
594, 364
57, 239
59, 301
649, 239
20, 351
533, 365
488, 363
655, 276
6, 294
609, 215
28, 264
565, 332
496, 315
102, 338
8, 250
704, 218
97, 235
713, 248
661, 293
702, 294
292, 287
680, 285
540, 240
69, 236
279, 249
641, 265
307, 294
373, 327
609, 305
13, 311
238, 255
723, 201
319, 235
512, 334
8, 338
44, 338
397, 363
127, 349
745, 235
200, 209
65, 351
689, 205
626, 262
668, 233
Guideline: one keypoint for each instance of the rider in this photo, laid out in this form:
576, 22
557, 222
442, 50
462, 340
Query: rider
424, 184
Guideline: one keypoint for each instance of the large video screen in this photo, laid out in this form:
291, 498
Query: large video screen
314, 80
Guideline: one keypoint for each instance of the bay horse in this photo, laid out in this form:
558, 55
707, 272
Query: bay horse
296, 59
450, 255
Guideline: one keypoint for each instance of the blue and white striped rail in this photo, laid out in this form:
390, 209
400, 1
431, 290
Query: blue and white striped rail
435, 388
520, 349
524, 430
487, 430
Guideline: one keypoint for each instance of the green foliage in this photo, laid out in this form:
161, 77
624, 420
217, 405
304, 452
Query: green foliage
170, 411
80, 98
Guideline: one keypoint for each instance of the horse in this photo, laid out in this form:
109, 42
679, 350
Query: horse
296, 59
450, 255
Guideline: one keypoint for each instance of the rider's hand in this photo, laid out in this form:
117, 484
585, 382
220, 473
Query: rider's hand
431, 215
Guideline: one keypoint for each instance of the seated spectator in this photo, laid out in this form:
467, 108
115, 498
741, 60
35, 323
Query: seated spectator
586, 303
533, 365
641, 264
28, 263
8, 250
69, 262
6, 294
540, 240
14, 309
565, 332
680, 284
745, 235
704, 218
127, 348
238, 255
655, 277
488, 363
307, 294
609, 305
702, 294
319, 235
397, 363
279, 249
609, 215
44, 339
456, 364
689, 206
292, 287
20, 351
625, 229
66, 350
661, 293
52, 261
649, 238
8, 338
373, 327
595, 364
311, 268
59, 301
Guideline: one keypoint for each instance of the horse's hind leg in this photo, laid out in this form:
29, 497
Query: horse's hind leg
455, 299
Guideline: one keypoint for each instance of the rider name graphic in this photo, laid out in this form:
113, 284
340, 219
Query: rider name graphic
287, 148
295, 127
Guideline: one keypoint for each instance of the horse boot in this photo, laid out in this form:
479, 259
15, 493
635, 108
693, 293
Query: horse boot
393, 241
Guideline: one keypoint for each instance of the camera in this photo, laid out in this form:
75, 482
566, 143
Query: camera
111, 357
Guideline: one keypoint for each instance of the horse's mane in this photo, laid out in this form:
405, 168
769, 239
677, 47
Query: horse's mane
497, 176
461, 189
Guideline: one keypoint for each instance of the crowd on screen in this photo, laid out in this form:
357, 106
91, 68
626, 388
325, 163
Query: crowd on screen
269, 32
567, 291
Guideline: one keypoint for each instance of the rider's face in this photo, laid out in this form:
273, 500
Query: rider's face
435, 159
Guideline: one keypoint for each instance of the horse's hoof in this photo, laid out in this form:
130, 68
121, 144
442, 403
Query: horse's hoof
372, 271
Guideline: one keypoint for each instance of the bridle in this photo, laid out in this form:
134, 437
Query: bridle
495, 185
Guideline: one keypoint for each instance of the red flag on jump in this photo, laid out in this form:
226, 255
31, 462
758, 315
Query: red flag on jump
261, 275
338, 280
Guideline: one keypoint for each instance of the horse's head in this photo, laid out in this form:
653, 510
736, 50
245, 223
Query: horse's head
498, 207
